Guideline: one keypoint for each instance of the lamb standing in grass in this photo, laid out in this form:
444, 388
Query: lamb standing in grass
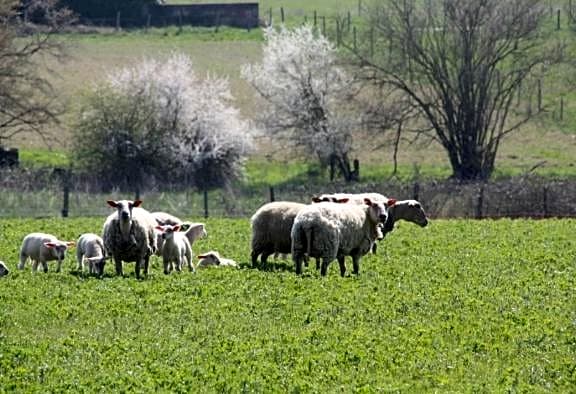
3, 269
176, 250
90, 250
129, 235
331, 231
41, 248
271, 226
213, 259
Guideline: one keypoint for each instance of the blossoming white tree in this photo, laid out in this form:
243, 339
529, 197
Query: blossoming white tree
306, 94
159, 117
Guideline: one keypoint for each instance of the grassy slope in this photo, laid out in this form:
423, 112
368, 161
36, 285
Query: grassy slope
454, 307
224, 52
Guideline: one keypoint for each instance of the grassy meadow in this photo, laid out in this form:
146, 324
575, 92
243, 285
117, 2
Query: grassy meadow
459, 306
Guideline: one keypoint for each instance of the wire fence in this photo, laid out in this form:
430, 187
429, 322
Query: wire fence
49, 194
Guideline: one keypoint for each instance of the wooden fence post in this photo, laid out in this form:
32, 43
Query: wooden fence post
545, 201
272, 197
416, 191
480, 202
66, 197
118, 21
205, 194
282, 14
558, 19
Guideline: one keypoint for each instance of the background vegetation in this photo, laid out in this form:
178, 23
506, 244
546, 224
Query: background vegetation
454, 307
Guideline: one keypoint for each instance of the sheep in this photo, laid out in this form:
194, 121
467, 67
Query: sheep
90, 250
163, 218
271, 226
193, 231
331, 231
349, 197
3, 269
176, 249
409, 210
213, 258
41, 248
129, 235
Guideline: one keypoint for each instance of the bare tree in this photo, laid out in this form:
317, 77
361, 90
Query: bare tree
27, 100
460, 64
306, 95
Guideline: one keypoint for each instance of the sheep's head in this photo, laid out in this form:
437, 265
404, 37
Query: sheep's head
378, 210
168, 230
124, 208
58, 248
3, 269
411, 211
98, 263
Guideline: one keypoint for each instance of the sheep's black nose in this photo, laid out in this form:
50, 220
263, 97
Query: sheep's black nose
383, 218
125, 215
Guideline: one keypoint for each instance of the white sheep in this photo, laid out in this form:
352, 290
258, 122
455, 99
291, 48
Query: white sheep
177, 250
271, 227
213, 259
331, 231
129, 235
3, 269
90, 251
41, 248
193, 232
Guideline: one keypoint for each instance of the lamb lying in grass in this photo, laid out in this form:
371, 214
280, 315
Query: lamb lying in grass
3, 269
213, 259
41, 248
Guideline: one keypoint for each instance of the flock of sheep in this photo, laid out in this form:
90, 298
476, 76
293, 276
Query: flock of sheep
332, 227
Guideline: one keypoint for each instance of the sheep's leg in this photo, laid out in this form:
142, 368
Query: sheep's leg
34, 265
297, 262
255, 253
22, 263
356, 264
342, 264
166, 267
146, 265
118, 264
264, 257
137, 265
45, 266
80, 260
324, 267
59, 265
374, 247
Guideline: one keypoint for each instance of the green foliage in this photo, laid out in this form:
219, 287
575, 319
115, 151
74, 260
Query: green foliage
107, 8
461, 306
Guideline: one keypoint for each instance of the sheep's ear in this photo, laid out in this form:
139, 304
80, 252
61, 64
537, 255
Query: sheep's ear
176, 227
391, 201
316, 199
112, 203
49, 245
368, 202
201, 256
341, 200
160, 228
137, 203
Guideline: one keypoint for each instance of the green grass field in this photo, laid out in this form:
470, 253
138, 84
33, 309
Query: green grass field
460, 306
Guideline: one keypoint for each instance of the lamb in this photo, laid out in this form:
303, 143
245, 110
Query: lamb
271, 226
90, 250
213, 258
193, 231
129, 235
41, 248
3, 269
331, 231
176, 250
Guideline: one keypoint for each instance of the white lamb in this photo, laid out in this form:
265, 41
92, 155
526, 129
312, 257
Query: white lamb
271, 227
192, 231
129, 235
41, 248
213, 259
90, 251
331, 231
3, 269
177, 250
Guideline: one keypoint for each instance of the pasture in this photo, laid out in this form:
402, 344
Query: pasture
459, 306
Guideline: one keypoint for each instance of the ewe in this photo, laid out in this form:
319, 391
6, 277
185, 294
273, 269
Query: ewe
129, 235
331, 231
